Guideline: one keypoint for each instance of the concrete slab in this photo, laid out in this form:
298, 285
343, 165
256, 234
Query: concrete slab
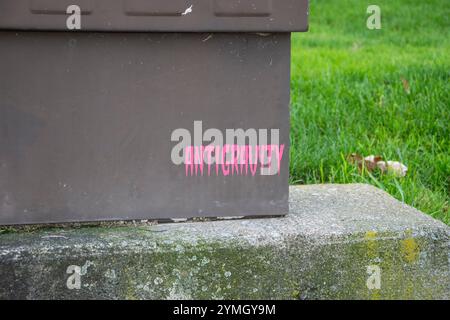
338, 242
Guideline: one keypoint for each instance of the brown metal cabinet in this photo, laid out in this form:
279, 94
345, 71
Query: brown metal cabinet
135, 109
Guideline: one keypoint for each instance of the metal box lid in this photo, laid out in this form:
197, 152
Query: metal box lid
158, 15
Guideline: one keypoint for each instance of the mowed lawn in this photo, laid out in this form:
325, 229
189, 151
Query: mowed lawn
381, 92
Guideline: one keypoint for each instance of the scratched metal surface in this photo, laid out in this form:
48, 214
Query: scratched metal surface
159, 15
86, 121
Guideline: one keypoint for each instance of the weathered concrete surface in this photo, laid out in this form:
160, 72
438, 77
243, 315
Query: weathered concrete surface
322, 249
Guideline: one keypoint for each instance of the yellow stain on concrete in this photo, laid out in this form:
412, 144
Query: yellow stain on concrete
410, 248
375, 295
372, 244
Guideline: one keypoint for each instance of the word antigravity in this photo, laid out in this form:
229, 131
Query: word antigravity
244, 153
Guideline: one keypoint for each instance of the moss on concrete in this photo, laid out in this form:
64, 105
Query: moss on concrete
297, 257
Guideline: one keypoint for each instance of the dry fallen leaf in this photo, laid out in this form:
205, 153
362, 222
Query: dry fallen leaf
373, 162
406, 86
394, 167
369, 162
354, 158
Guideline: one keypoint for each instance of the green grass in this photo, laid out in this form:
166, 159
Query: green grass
348, 96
